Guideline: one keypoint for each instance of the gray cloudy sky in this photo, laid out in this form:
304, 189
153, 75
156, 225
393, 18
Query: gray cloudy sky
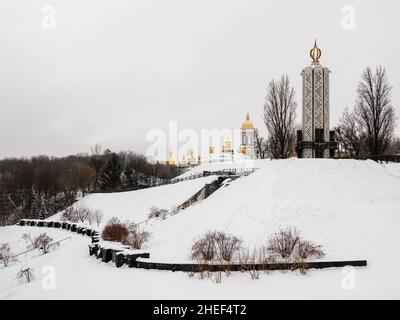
112, 70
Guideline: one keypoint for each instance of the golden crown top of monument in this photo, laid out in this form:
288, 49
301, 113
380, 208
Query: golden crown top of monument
315, 53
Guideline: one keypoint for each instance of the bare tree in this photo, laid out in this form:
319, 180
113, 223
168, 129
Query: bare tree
374, 110
25, 275
41, 242
137, 238
82, 213
157, 213
394, 147
349, 133
6, 256
279, 117
261, 144
98, 216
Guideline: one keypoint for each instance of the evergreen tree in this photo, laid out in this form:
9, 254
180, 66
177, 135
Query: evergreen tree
110, 174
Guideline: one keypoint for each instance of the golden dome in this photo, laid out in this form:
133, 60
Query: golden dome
247, 123
170, 159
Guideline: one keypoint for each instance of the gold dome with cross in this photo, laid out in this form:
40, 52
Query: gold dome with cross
247, 123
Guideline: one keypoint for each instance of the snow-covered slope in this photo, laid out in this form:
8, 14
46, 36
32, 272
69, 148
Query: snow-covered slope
347, 206
351, 208
216, 166
393, 168
80, 276
135, 205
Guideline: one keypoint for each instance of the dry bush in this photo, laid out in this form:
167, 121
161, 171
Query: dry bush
90, 217
69, 214
28, 240
283, 243
216, 277
115, 230
136, 238
204, 249
6, 256
174, 210
157, 213
306, 249
40, 242
78, 214
227, 245
248, 262
98, 216
25, 275
82, 213
289, 246
216, 246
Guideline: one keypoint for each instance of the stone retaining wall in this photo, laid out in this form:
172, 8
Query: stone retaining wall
120, 254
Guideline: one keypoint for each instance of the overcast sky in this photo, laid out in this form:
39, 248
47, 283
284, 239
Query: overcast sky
112, 70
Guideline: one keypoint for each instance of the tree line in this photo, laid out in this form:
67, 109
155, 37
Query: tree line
40, 186
364, 131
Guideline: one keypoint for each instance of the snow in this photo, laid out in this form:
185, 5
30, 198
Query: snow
222, 165
135, 205
349, 207
393, 168
337, 204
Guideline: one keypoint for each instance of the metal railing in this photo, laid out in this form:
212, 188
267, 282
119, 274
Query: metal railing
232, 171
224, 172
51, 244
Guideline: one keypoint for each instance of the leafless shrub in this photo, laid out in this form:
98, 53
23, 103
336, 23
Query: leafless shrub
302, 266
204, 249
306, 249
226, 245
115, 230
289, 246
157, 213
25, 275
6, 256
283, 243
90, 217
136, 238
28, 240
248, 262
40, 242
174, 210
78, 214
244, 258
216, 246
216, 277
69, 214
82, 213
98, 216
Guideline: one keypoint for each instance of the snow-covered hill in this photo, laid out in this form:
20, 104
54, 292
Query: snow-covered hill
351, 208
347, 206
135, 205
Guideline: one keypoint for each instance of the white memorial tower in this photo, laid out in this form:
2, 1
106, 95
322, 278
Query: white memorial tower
313, 139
